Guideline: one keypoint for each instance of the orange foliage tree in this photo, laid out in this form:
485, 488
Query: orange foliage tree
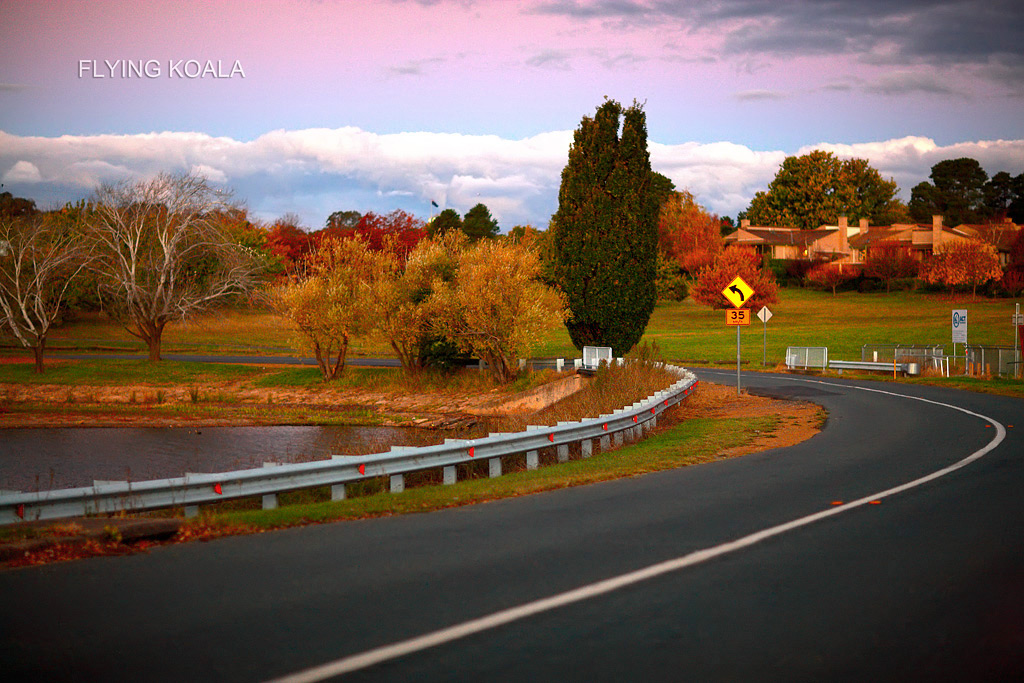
687, 233
830, 275
889, 260
733, 262
962, 263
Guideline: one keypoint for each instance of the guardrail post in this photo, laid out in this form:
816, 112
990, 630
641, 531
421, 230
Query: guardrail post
586, 448
494, 467
532, 460
397, 483
617, 439
563, 452
606, 443
449, 475
270, 501
191, 511
338, 492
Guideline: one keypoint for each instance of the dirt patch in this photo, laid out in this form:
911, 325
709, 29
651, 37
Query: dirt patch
798, 420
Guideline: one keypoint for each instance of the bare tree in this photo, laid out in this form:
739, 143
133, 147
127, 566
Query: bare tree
162, 255
39, 257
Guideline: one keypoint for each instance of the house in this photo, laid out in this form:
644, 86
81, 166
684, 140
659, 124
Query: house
852, 244
921, 239
830, 242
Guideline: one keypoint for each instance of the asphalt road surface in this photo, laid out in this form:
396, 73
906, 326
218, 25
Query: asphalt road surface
738, 570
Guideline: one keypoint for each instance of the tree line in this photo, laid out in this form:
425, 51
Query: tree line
154, 251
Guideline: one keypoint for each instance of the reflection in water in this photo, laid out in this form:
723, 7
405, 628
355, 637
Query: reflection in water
41, 459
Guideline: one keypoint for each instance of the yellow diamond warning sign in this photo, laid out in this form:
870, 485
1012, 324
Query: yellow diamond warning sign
738, 292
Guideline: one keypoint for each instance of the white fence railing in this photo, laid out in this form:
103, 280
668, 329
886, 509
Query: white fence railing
193, 490
807, 357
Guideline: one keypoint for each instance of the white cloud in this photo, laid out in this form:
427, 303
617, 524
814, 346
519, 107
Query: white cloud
22, 172
316, 171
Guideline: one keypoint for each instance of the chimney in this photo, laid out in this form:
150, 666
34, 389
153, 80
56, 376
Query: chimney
745, 223
844, 245
936, 232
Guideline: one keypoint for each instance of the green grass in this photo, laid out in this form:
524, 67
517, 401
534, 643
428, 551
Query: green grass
684, 331
689, 442
689, 331
118, 372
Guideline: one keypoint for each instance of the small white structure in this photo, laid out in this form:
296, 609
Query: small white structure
593, 355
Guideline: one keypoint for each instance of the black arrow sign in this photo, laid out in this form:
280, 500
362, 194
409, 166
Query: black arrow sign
739, 293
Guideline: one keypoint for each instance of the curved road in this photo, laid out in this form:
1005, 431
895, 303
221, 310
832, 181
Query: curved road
753, 573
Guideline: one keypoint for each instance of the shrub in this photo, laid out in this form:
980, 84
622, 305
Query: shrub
735, 261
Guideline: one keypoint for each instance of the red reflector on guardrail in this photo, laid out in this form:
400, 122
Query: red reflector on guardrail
362, 469
21, 511
634, 418
605, 426
652, 411
472, 450
217, 490
551, 438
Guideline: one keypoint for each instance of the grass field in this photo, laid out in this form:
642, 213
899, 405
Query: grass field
684, 331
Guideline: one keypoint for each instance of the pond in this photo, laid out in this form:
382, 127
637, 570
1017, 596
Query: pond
43, 459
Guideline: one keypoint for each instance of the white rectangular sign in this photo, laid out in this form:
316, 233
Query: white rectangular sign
959, 325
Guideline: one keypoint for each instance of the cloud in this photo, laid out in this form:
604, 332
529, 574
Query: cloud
934, 33
12, 87
316, 171
905, 82
759, 95
22, 172
550, 59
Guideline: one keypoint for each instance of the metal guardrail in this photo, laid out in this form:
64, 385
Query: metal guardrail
882, 366
194, 489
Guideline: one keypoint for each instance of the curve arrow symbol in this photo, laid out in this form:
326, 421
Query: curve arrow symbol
739, 292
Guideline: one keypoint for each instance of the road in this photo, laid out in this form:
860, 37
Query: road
927, 584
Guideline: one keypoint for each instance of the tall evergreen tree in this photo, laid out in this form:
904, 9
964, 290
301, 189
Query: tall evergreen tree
443, 222
478, 223
605, 232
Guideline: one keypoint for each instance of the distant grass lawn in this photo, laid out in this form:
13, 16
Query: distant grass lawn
685, 331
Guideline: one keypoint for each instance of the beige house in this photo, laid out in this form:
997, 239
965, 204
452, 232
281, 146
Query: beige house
852, 244
921, 240
829, 242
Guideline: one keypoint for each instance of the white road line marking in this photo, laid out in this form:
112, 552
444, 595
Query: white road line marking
446, 635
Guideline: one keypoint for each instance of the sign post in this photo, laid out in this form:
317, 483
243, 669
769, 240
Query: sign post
738, 293
764, 315
959, 327
1018, 320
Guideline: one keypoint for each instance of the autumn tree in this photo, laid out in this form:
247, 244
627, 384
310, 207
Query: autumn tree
39, 258
398, 232
734, 261
830, 275
479, 224
403, 305
336, 301
687, 233
605, 232
448, 219
160, 254
815, 189
290, 243
962, 263
1013, 278
495, 308
888, 261
12, 207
